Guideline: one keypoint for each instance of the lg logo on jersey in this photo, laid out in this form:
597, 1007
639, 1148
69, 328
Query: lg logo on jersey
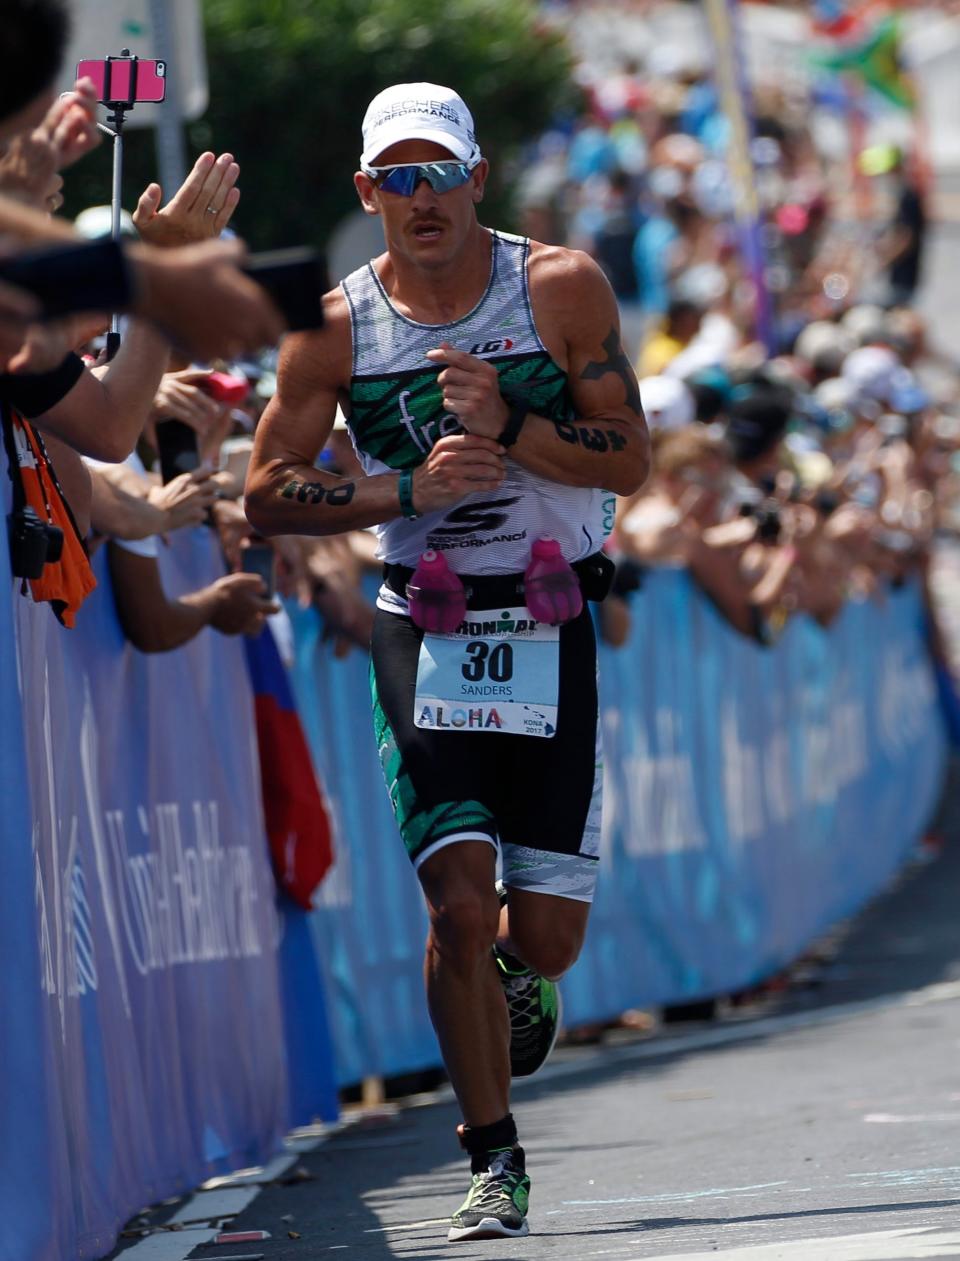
491, 348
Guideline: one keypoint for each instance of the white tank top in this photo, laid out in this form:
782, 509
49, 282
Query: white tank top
396, 415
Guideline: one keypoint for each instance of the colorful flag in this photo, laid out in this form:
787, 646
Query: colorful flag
298, 828
876, 59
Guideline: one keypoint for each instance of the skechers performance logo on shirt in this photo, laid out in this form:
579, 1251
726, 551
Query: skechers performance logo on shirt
472, 518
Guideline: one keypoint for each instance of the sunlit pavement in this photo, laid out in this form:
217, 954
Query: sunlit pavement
825, 1128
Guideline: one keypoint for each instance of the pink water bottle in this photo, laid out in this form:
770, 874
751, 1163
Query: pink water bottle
551, 588
436, 596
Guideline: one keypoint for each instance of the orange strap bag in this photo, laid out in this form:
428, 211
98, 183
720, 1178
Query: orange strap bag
46, 548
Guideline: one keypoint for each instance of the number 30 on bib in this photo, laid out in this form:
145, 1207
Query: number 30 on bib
499, 673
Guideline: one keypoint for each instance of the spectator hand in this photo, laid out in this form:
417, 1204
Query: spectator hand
293, 578
184, 501
45, 346
179, 397
850, 524
233, 528
28, 170
212, 440
734, 534
240, 607
199, 210
199, 297
71, 124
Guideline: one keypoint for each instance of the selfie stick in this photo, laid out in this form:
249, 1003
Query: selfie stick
119, 109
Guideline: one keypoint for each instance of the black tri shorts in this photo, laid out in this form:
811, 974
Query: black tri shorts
538, 798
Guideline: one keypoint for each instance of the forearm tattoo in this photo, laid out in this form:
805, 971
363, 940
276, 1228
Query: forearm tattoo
617, 363
316, 493
599, 440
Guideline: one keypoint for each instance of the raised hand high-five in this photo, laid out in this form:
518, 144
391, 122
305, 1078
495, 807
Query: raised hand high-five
199, 210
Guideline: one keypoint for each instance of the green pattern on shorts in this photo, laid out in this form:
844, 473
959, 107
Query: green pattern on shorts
420, 827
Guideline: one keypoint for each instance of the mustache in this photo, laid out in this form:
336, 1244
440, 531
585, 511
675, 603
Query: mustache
427, 221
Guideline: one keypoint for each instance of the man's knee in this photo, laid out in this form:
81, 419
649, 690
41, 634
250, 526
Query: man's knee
463, 926
550, 954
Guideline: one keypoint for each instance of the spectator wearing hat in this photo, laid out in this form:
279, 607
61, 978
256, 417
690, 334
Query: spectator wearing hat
667, 403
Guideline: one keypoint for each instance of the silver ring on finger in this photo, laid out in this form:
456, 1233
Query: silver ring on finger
212, 210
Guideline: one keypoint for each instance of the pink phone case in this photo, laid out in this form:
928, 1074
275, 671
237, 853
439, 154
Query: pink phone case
143, 81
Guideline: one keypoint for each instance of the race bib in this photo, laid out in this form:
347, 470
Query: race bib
500, 672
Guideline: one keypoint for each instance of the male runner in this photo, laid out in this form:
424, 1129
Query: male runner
489, 401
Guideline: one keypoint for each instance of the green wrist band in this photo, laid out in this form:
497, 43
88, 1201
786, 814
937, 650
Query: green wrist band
405, 493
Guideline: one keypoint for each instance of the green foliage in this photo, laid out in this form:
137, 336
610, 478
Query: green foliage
290, 80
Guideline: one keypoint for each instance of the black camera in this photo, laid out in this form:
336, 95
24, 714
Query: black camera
33, 543
766, 513
767, 517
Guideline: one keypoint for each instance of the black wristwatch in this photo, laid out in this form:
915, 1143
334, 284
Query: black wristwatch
519, 411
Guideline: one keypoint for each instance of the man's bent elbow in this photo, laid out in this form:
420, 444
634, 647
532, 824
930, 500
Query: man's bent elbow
261, 512
632, 474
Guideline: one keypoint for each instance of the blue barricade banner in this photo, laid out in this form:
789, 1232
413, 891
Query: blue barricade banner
142, 1043
370, 929
753, 797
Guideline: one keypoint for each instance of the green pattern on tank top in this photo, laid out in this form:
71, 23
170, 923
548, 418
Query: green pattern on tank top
376, 403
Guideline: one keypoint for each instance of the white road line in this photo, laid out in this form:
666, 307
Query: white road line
382, 1230
893, 1118
168, 1246
673, 1197
267, 1173
207, 1205
939, 992
884, 1245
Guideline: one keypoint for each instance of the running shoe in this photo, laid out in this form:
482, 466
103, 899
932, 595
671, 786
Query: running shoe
496, 1204
535, 1009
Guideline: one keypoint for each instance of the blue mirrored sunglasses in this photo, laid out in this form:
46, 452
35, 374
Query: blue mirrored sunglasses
404, 179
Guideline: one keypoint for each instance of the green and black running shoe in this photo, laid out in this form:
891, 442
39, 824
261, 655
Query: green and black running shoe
496, 1204
535, 1009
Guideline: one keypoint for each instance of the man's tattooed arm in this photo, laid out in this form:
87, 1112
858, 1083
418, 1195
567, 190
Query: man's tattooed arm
317, 493
598, 440
617, 363
607, 423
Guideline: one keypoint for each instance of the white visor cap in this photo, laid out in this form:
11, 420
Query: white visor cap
418, 111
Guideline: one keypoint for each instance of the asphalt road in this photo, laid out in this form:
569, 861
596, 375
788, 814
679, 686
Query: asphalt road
827, 1129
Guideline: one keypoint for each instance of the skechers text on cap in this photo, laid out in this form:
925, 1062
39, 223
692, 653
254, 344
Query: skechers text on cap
418, 111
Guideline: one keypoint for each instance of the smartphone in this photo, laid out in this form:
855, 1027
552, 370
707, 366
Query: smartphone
177, 448
296, 280
125, 80
260, 558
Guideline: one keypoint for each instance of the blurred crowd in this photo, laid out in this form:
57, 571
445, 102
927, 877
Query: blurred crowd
791, 474
799, 461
